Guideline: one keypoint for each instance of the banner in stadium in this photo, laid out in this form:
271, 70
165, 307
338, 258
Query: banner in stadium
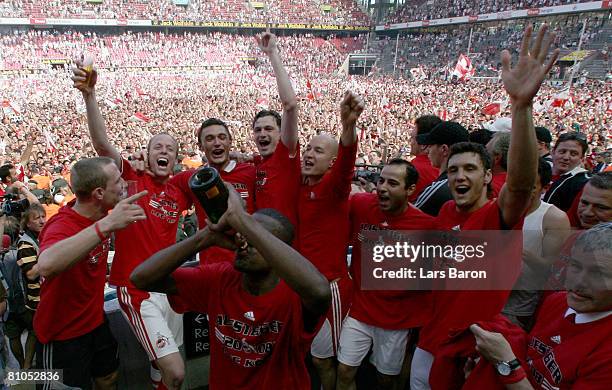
577, 55
523, 13
290, 26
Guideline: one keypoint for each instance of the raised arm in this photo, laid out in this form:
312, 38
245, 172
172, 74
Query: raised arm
522, 84
95, 121
289, 126
287, 263
154, 274
27, 152
65, 253
350, 109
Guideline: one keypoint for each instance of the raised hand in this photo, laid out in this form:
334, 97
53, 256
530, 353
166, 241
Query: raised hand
523, 81
123, 214
232, 216
84, 80
351, 107
267, 42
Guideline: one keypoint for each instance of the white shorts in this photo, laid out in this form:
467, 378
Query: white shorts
419, 371
325, 344
158, 328
388, 346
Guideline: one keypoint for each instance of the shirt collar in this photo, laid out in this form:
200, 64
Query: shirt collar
585, 318
574, 171
230, 166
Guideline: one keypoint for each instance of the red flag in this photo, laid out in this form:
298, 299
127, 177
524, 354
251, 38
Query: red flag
463, 70
492, 109
443, 114
140, 117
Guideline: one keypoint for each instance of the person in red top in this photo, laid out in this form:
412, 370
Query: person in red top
264, 309
382, 319
469, 173
427, 172
570, 345
156, 326
69, 322
278, 163
323, 231
215, 140
497, 148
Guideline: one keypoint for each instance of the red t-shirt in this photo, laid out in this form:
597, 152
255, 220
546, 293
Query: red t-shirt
71, 303
257, 342
572, 213
278, 182
386, 309
137, 242
323, 214
239, 175
427, 174
456, 310
563, 354
498, 181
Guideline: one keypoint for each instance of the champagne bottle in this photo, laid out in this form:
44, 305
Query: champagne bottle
207, 186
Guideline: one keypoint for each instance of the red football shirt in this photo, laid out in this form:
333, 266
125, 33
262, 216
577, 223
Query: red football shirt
137, 242
239, 175
257, 342
564, 354
278, 182
454, 311
71, 303
386, 309
427, 174
498, 181
323, 214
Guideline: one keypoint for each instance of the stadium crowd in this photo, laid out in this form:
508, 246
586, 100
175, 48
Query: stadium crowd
125, 139
340, 12
428, 10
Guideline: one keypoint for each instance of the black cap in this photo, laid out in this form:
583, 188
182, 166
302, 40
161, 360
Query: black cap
446, 133
543, 135
39, 194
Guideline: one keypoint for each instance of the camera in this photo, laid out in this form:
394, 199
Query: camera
12, 207
370, 173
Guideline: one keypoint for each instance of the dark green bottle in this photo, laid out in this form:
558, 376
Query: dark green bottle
207, 186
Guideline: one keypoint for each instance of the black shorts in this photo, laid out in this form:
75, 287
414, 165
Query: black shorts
17, 323
92, 355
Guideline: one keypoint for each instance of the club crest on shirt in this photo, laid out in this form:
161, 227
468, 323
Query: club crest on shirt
162, 341
97, 252
556, 339
249, 315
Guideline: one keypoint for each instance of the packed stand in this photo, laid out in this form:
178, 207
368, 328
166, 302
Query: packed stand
342, 12
419, 10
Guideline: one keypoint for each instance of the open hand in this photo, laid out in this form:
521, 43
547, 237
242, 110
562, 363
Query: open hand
267, 42
524, 80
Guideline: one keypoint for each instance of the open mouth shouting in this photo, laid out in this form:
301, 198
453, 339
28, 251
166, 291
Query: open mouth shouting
462, 189
162, 162
218, 153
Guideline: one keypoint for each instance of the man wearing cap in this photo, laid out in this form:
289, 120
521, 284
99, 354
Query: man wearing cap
439, 141
544, 139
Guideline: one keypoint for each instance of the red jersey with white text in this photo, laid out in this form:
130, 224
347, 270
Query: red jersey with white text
242, 178
278, 182
454, 311
565, 352
71, 303
323, 215
427, 174
257, 342
386, 309
137, 242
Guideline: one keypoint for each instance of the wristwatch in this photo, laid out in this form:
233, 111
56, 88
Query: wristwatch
506, 368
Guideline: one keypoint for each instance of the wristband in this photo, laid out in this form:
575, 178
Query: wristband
99, 232
516, 376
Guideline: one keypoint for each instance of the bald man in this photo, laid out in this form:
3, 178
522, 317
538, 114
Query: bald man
323, 230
